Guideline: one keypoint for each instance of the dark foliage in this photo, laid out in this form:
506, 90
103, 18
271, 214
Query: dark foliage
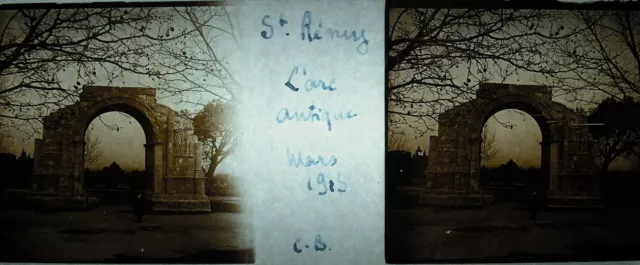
509, 174
618, 189
619, 132
114, 177
398, 167
16, 170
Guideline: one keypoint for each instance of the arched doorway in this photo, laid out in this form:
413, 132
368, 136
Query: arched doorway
454, 155
134, 110
115, 159
511, 155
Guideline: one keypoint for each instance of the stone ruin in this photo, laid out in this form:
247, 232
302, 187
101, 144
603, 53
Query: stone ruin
175, 179
568, 160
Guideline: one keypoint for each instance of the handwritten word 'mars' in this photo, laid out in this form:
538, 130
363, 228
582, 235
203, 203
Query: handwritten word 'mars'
362, 48
298, 160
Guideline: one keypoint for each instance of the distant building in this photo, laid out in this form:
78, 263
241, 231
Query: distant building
419, 162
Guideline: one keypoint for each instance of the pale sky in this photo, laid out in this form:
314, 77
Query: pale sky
125, 146
520, 143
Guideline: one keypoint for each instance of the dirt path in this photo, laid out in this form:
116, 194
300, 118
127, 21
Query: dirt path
110, 234
503, 233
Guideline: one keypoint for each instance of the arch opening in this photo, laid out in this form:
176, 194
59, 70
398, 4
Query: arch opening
538, 116
124, 170
512, 153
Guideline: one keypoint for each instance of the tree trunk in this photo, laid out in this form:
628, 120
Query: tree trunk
605, 167
212, 168
209, 180
603, 182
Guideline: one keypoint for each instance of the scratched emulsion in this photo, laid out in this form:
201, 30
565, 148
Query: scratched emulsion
311, 123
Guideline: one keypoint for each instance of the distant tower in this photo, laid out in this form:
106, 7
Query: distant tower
419, 152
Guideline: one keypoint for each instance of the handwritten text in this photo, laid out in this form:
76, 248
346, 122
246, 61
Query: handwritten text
314, 114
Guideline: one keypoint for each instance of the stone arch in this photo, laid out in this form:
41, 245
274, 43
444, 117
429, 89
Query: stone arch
175, 180
136, 109
454, 155
538, 111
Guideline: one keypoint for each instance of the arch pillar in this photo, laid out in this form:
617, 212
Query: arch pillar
475, 163
550, 164
78, 166
154, 155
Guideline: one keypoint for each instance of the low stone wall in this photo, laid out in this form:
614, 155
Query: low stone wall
227, 204
577, 202
180, 203
62, 203
455, 200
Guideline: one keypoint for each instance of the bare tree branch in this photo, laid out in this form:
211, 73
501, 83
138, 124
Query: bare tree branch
158, 47
397, 141
92, 150
601, 62
488, 149
438, 57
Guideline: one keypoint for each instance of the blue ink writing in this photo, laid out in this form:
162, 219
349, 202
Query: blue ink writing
310, 84
297, 160
264, 33
322, 180
295, 246
282, 21
305, 28
294, 71
339, 180
314, 114
319, 244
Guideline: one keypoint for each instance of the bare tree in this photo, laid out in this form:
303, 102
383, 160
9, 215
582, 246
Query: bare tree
397, 141
602, 61
213, 128
437, 57
92, 150
39, 48
488, 149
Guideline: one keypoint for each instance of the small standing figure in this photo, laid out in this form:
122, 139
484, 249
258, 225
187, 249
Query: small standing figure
538, 198
139, 207
534, 205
